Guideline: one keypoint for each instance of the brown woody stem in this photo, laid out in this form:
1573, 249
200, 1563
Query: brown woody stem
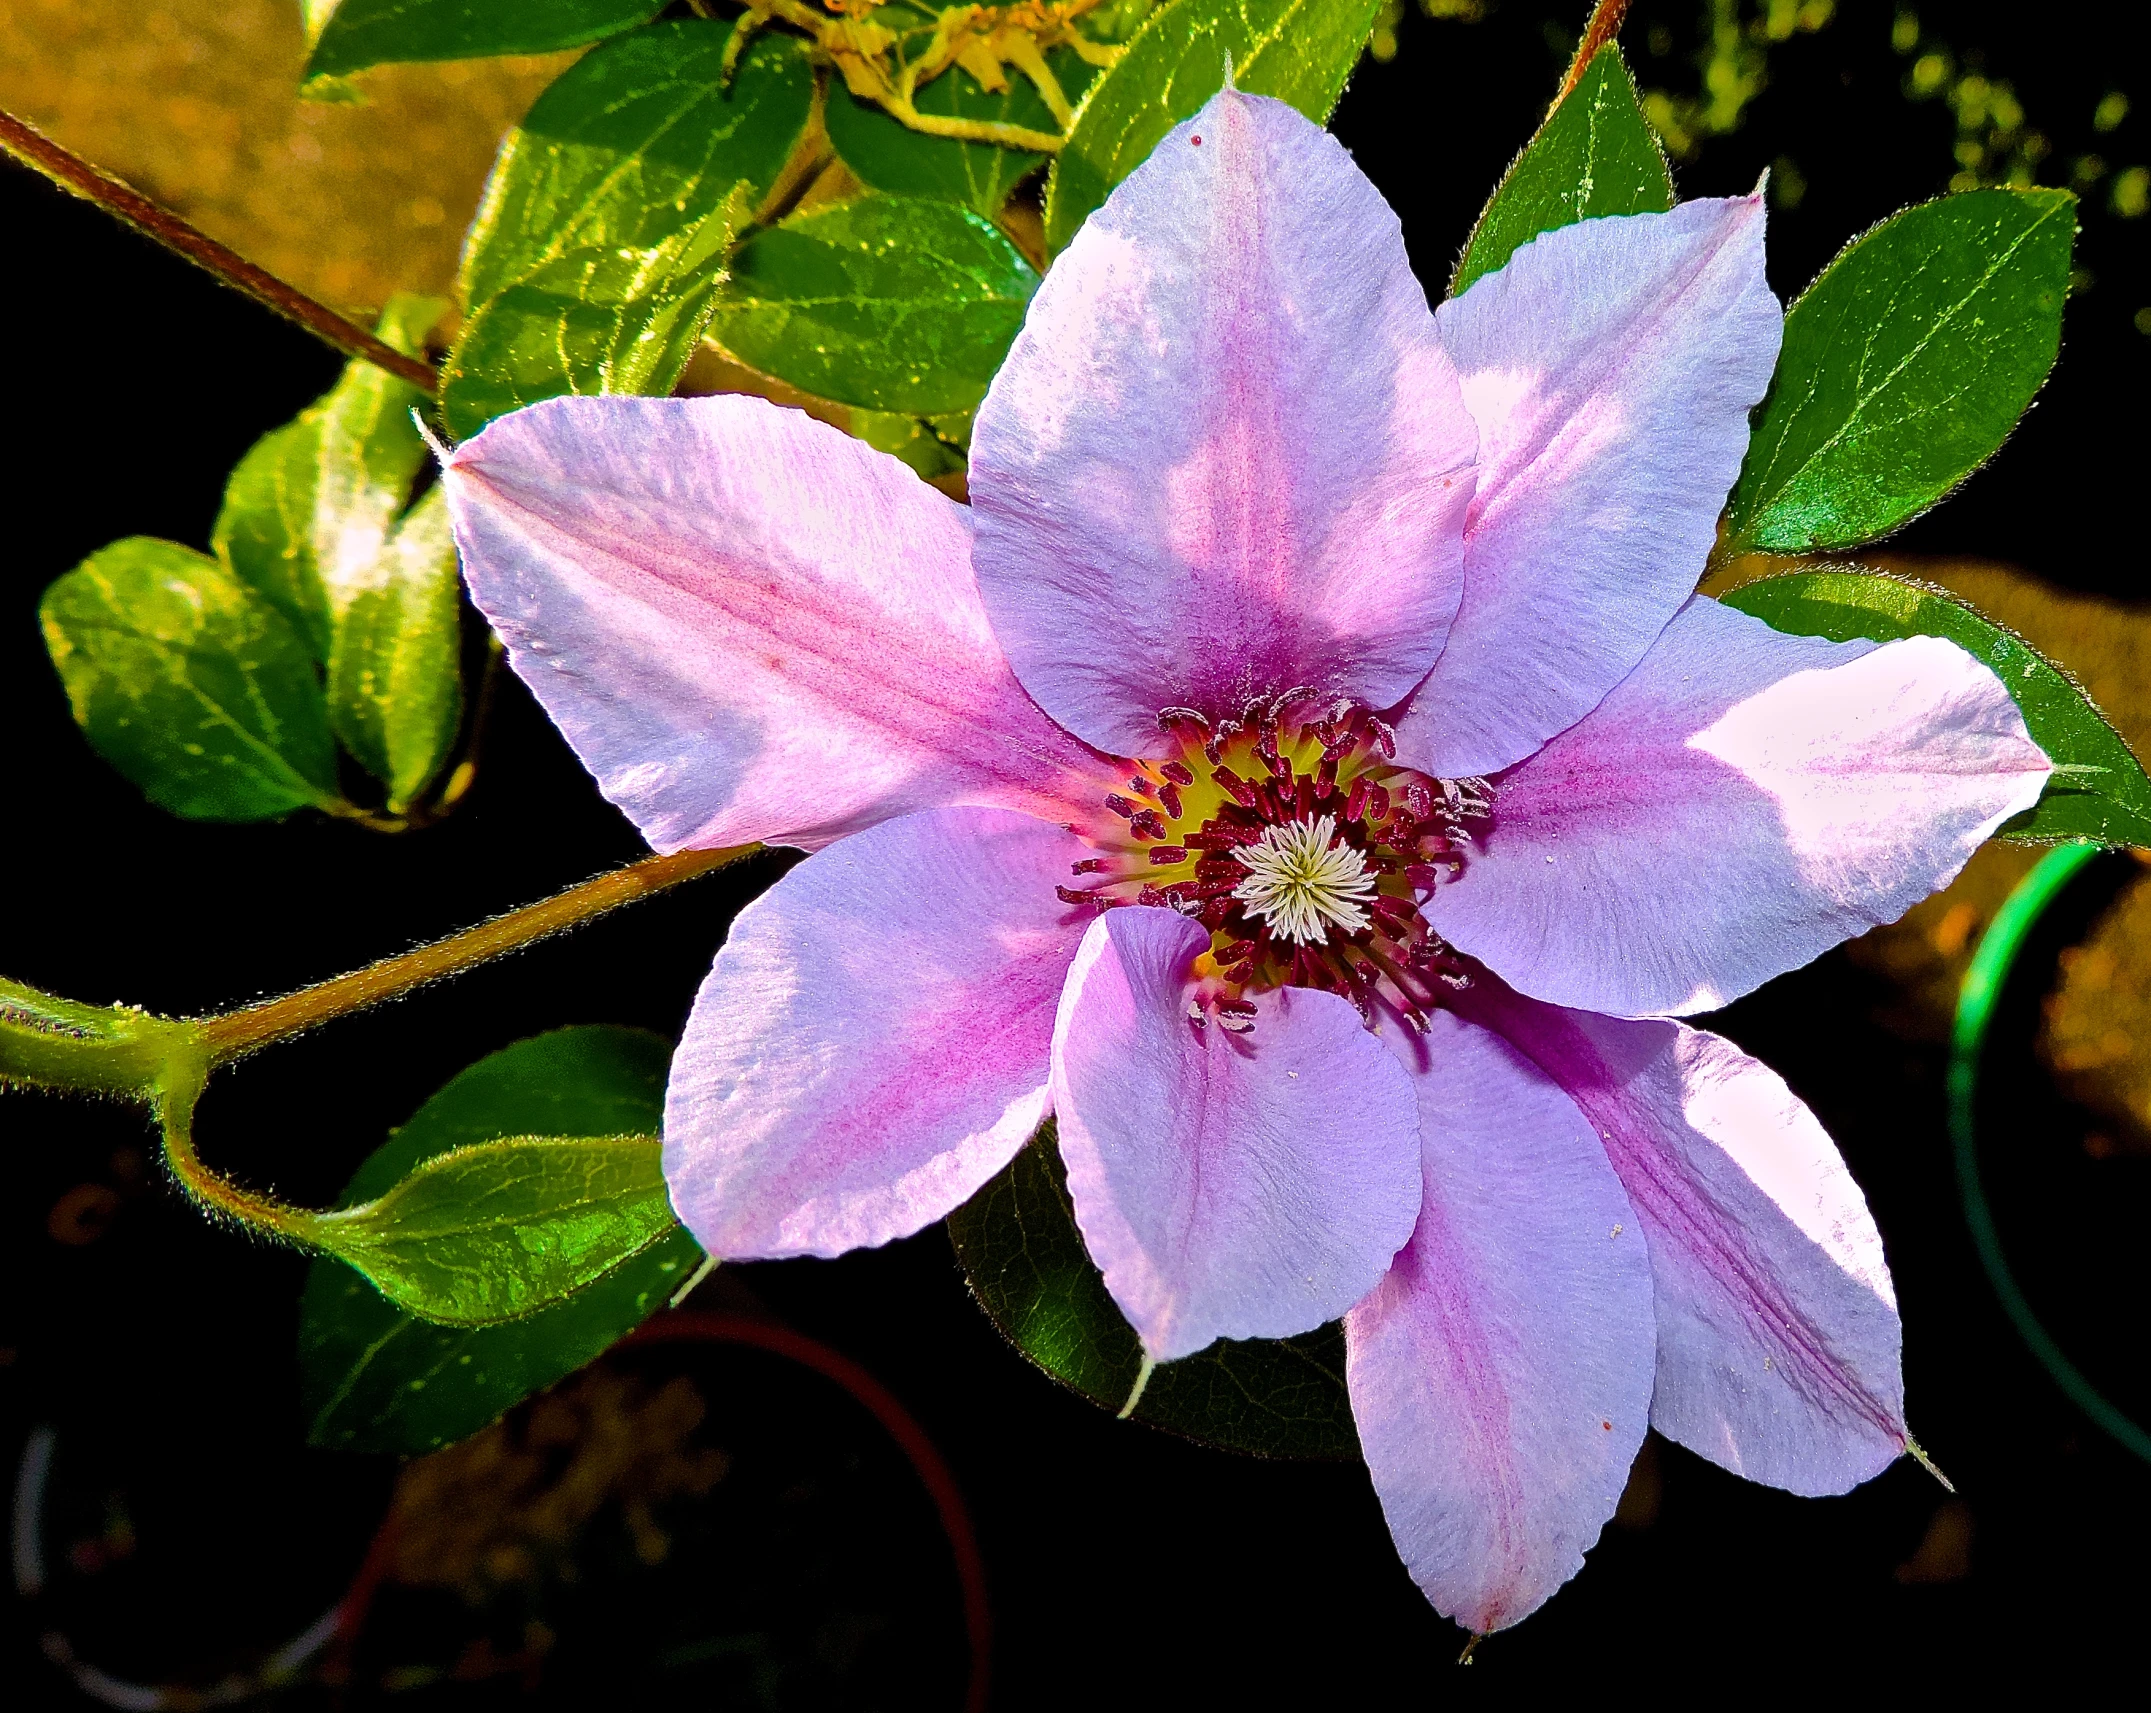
237, 1033
1606, 20
70, 171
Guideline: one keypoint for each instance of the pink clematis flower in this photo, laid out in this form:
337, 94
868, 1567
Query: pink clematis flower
1306, 770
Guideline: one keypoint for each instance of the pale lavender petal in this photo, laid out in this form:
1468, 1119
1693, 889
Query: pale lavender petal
1227, 454
1611, 366
1740, 803
748, 625
1501, 1373
873, 1042
1228, 1185
1778, 1340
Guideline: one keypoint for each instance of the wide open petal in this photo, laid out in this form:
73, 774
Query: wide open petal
748, 625
1778, 1340
1228, 1185
1611, 366
1740, 803
1501, 1373
1227, 454
872, 1043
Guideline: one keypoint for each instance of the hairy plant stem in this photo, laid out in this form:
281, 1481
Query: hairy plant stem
1605, 23
121, 200
238, 1033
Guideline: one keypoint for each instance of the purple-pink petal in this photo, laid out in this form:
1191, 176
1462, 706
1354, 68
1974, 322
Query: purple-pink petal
1740, 803
872, 1044
748, 625
1501, 1373
1228, 1185
1611, 366
1778, 1339
1227, 454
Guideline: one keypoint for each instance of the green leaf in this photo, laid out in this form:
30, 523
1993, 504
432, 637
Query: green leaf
265, 533
1595, 155
633, 143
500, 1229
1905, 366
891, 303
2099, 790
885, 154
1021, 1251
395, 683
189, 683
934, 447
360, 33
594, 261
378, 1379
1299, 51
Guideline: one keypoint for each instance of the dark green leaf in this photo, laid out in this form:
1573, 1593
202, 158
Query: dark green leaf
885, 154
360, 33
931, 446
1905, 366
189, 683
395, 686
1020, 1249
636, 142
2099, 790
1299, 51
377, 1379
893, 303
1595, 155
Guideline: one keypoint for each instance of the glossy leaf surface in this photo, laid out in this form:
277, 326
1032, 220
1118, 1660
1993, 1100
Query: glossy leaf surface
2099, 789
1021, 1251
885, 154
637, 141
894, 303
192, 685
1595, 155
360, 33
379, 1379
1905, 366
265, 531
1299, 51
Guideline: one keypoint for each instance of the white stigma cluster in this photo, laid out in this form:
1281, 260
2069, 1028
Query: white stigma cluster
1303, 883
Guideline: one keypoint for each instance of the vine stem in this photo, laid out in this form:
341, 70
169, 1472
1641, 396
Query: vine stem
121, 200
238, 1033
1606, 20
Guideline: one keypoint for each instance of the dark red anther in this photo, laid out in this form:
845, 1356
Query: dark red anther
1303, 799
1325, 779
1355, 802
1164, 856
1419, 799
1141, 787
1220, 868
1394, 914
1178, 772
1155, 897
1069, 895
1209, 841
1090, 865
1126, 810
1216, 913
1169, 795
1168, 718
1378, 804
1148, 824
1238, 789
1385, 737
1201, 889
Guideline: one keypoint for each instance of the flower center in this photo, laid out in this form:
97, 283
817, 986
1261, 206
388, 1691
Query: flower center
1293, 836
1300, 880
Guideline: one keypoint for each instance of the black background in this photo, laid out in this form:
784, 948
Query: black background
1128, 1568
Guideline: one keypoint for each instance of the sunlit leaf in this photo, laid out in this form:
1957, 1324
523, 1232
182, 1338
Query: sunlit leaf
1021, 1251
189, 683
894, 303
1299, 51
265, 532
379, 1379
1905, 366
395, 687
1595, 155
886, 154
593, 263
2099, 789
360, 33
